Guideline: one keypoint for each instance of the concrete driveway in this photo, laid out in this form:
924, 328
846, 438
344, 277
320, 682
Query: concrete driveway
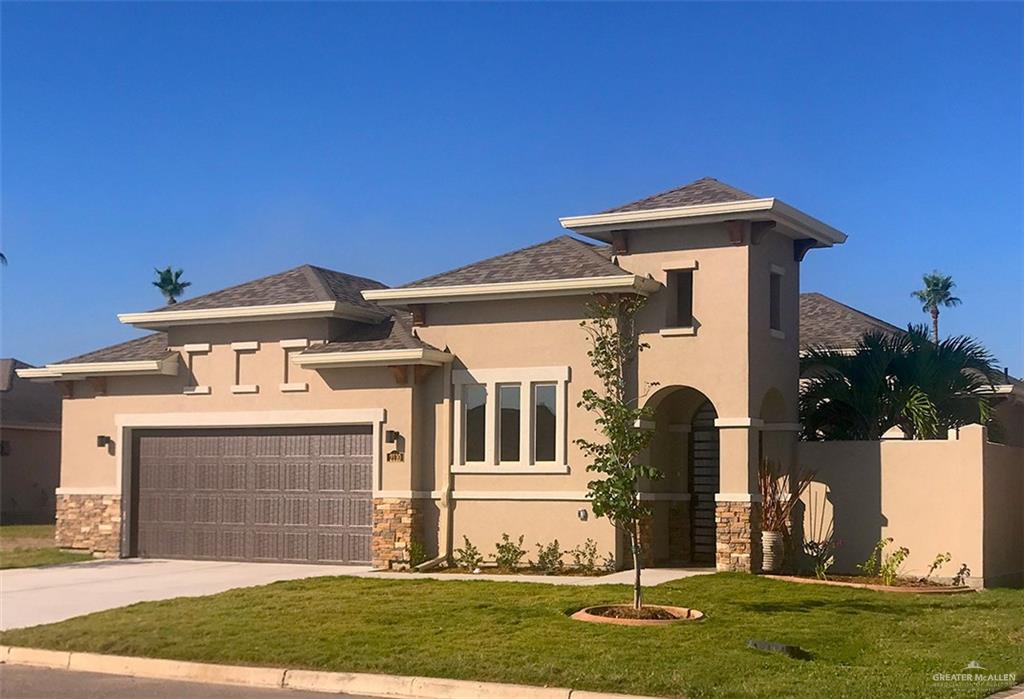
31, 596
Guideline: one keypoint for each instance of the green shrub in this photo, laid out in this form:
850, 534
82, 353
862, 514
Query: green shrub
468, 557
584, 556
509, 553
940, 560
417, 553
549, 558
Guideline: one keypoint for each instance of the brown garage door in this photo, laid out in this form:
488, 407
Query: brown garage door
297, 495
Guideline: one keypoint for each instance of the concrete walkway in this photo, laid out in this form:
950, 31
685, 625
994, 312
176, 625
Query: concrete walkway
30, 596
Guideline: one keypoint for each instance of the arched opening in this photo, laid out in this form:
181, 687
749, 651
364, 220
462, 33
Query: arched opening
685, 448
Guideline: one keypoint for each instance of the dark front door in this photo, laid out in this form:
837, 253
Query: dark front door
703, 482
287, 495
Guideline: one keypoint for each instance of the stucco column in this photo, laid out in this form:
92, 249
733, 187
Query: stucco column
738, 502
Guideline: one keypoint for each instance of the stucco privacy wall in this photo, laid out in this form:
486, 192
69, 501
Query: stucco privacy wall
28, 472
960, 495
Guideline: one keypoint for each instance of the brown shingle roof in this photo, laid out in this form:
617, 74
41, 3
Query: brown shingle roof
300, 285
396, 333
825, 321
706, 190
152, 346
563, 257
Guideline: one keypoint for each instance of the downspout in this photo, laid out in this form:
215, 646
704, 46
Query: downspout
446, 521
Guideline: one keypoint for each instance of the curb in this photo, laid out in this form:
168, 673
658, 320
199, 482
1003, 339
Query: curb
394, 686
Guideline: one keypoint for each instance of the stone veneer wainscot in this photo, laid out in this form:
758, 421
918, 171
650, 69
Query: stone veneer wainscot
89, 522
396, 522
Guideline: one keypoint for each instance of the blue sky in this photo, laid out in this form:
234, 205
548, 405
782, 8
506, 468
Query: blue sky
394, 141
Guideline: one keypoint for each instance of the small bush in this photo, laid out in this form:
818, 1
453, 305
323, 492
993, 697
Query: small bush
549, 558
961, 575
871, 566
417, 553
940, 560
822, 555
510, 553
891, 567
584, 557
468, 557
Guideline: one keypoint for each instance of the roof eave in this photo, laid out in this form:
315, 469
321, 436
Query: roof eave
159, 320
625, 283
370, 358
793, 222
168, 366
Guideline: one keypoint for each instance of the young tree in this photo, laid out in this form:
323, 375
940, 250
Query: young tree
937, 291
170, 284
614, 347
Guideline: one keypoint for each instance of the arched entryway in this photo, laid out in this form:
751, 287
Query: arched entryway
685, 447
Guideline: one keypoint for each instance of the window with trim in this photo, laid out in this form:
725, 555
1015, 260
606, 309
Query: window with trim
775, 301
474, 423
680, 302
511, 419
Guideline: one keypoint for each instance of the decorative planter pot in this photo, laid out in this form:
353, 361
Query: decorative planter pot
771, 551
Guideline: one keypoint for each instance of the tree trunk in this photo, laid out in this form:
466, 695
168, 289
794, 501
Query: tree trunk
171, 299
935, 324
634, 543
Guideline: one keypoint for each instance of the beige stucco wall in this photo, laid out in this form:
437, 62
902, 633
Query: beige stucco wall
89, 414
958, 495
29, 473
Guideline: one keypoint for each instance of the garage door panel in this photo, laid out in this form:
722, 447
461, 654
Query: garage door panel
274, 494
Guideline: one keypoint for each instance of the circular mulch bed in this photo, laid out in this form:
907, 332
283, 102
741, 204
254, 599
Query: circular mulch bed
907, 587
625, 615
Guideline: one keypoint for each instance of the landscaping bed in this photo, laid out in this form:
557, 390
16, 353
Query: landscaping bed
917, 585
860, 643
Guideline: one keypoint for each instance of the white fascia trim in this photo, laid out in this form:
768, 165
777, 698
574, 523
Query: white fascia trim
330, 360
252, 418
517, 469
409, 494
167, 367
796, 220
738, 422
737, 497
627, 283
240, 314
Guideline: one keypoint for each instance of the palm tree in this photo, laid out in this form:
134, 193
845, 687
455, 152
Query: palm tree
937, 291
3, 260
895, 380
170, 284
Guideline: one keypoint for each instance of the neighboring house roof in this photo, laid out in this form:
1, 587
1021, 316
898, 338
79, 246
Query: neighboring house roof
147, 347
706, 190
563, 257
305, 284
825, 321
23, 402
396, 333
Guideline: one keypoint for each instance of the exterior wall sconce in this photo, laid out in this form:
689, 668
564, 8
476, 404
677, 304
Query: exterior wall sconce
582, 514
391, 436
103, 440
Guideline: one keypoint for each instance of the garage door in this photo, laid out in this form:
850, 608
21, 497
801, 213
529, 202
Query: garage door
295, 495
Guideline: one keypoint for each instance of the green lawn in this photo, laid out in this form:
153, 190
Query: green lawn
864, 644
31, 545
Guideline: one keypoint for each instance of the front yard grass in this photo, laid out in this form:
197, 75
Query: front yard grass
863, 643
31, 545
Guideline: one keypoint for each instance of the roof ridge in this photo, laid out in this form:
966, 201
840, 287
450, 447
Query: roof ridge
592, 250
321, 270
315, 277
859, 312
699, 180
485, 260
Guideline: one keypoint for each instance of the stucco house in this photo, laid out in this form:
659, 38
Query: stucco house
315, 415
29, 447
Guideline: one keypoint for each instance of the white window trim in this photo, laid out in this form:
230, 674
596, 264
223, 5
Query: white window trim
287, 348
240, 347
490, 379
190, 351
